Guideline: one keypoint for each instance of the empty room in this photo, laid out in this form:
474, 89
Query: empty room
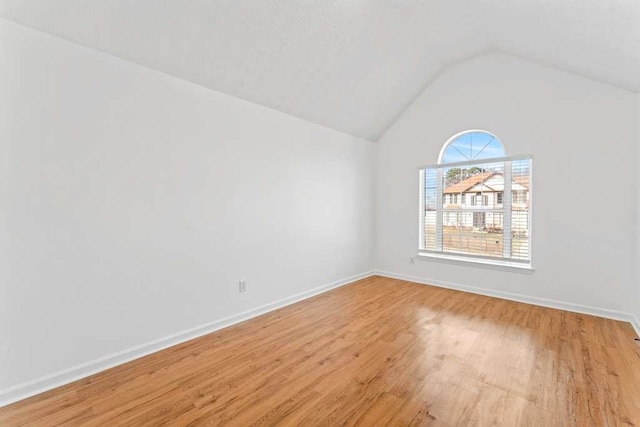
354, 212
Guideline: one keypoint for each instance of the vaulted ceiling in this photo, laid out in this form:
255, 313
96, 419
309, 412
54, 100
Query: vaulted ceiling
351, 65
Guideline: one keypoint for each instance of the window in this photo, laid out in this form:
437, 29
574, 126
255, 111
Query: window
495, 227
519, 197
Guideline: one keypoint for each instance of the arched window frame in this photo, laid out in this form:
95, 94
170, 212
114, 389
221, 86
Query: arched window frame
511, 233
457, 136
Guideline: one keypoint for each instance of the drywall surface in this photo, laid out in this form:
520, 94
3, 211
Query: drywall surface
581, 136
132, 203
350, 65
636, 310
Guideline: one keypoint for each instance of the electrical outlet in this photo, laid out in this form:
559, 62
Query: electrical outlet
412, 260
242, 286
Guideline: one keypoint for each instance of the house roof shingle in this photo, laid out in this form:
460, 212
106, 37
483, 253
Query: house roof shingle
474, 180
468, 183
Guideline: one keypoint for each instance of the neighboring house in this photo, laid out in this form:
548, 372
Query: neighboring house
475, 202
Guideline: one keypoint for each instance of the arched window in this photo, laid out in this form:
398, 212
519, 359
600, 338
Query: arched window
471, 145
475, 203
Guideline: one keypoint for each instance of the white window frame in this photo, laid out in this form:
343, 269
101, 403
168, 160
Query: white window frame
468, 259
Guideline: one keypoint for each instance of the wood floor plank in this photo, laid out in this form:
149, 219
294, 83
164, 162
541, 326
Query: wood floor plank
376, 352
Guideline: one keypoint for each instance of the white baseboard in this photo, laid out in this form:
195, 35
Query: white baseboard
39, 385
567, 306
636, 324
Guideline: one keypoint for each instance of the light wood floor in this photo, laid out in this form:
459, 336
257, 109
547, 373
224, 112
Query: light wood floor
376, 352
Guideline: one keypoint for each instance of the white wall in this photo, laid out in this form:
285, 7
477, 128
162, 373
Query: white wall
131, 203
581, 136
636, 310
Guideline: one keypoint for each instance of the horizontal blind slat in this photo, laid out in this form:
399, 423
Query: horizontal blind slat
472, 211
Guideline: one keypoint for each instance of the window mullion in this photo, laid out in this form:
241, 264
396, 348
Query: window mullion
506, 216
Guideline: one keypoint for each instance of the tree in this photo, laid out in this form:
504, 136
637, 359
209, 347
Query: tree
455, 175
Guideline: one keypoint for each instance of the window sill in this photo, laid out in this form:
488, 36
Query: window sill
477, 262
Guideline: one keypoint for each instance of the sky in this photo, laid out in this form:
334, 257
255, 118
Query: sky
468, 146
472, 146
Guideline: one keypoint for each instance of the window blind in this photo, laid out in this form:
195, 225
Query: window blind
477, 209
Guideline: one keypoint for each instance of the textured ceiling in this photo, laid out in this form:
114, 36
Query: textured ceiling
351, 65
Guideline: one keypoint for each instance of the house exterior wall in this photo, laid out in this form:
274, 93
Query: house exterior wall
460, 214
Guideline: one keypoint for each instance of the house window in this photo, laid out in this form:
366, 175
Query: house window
519, 197
495, 227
